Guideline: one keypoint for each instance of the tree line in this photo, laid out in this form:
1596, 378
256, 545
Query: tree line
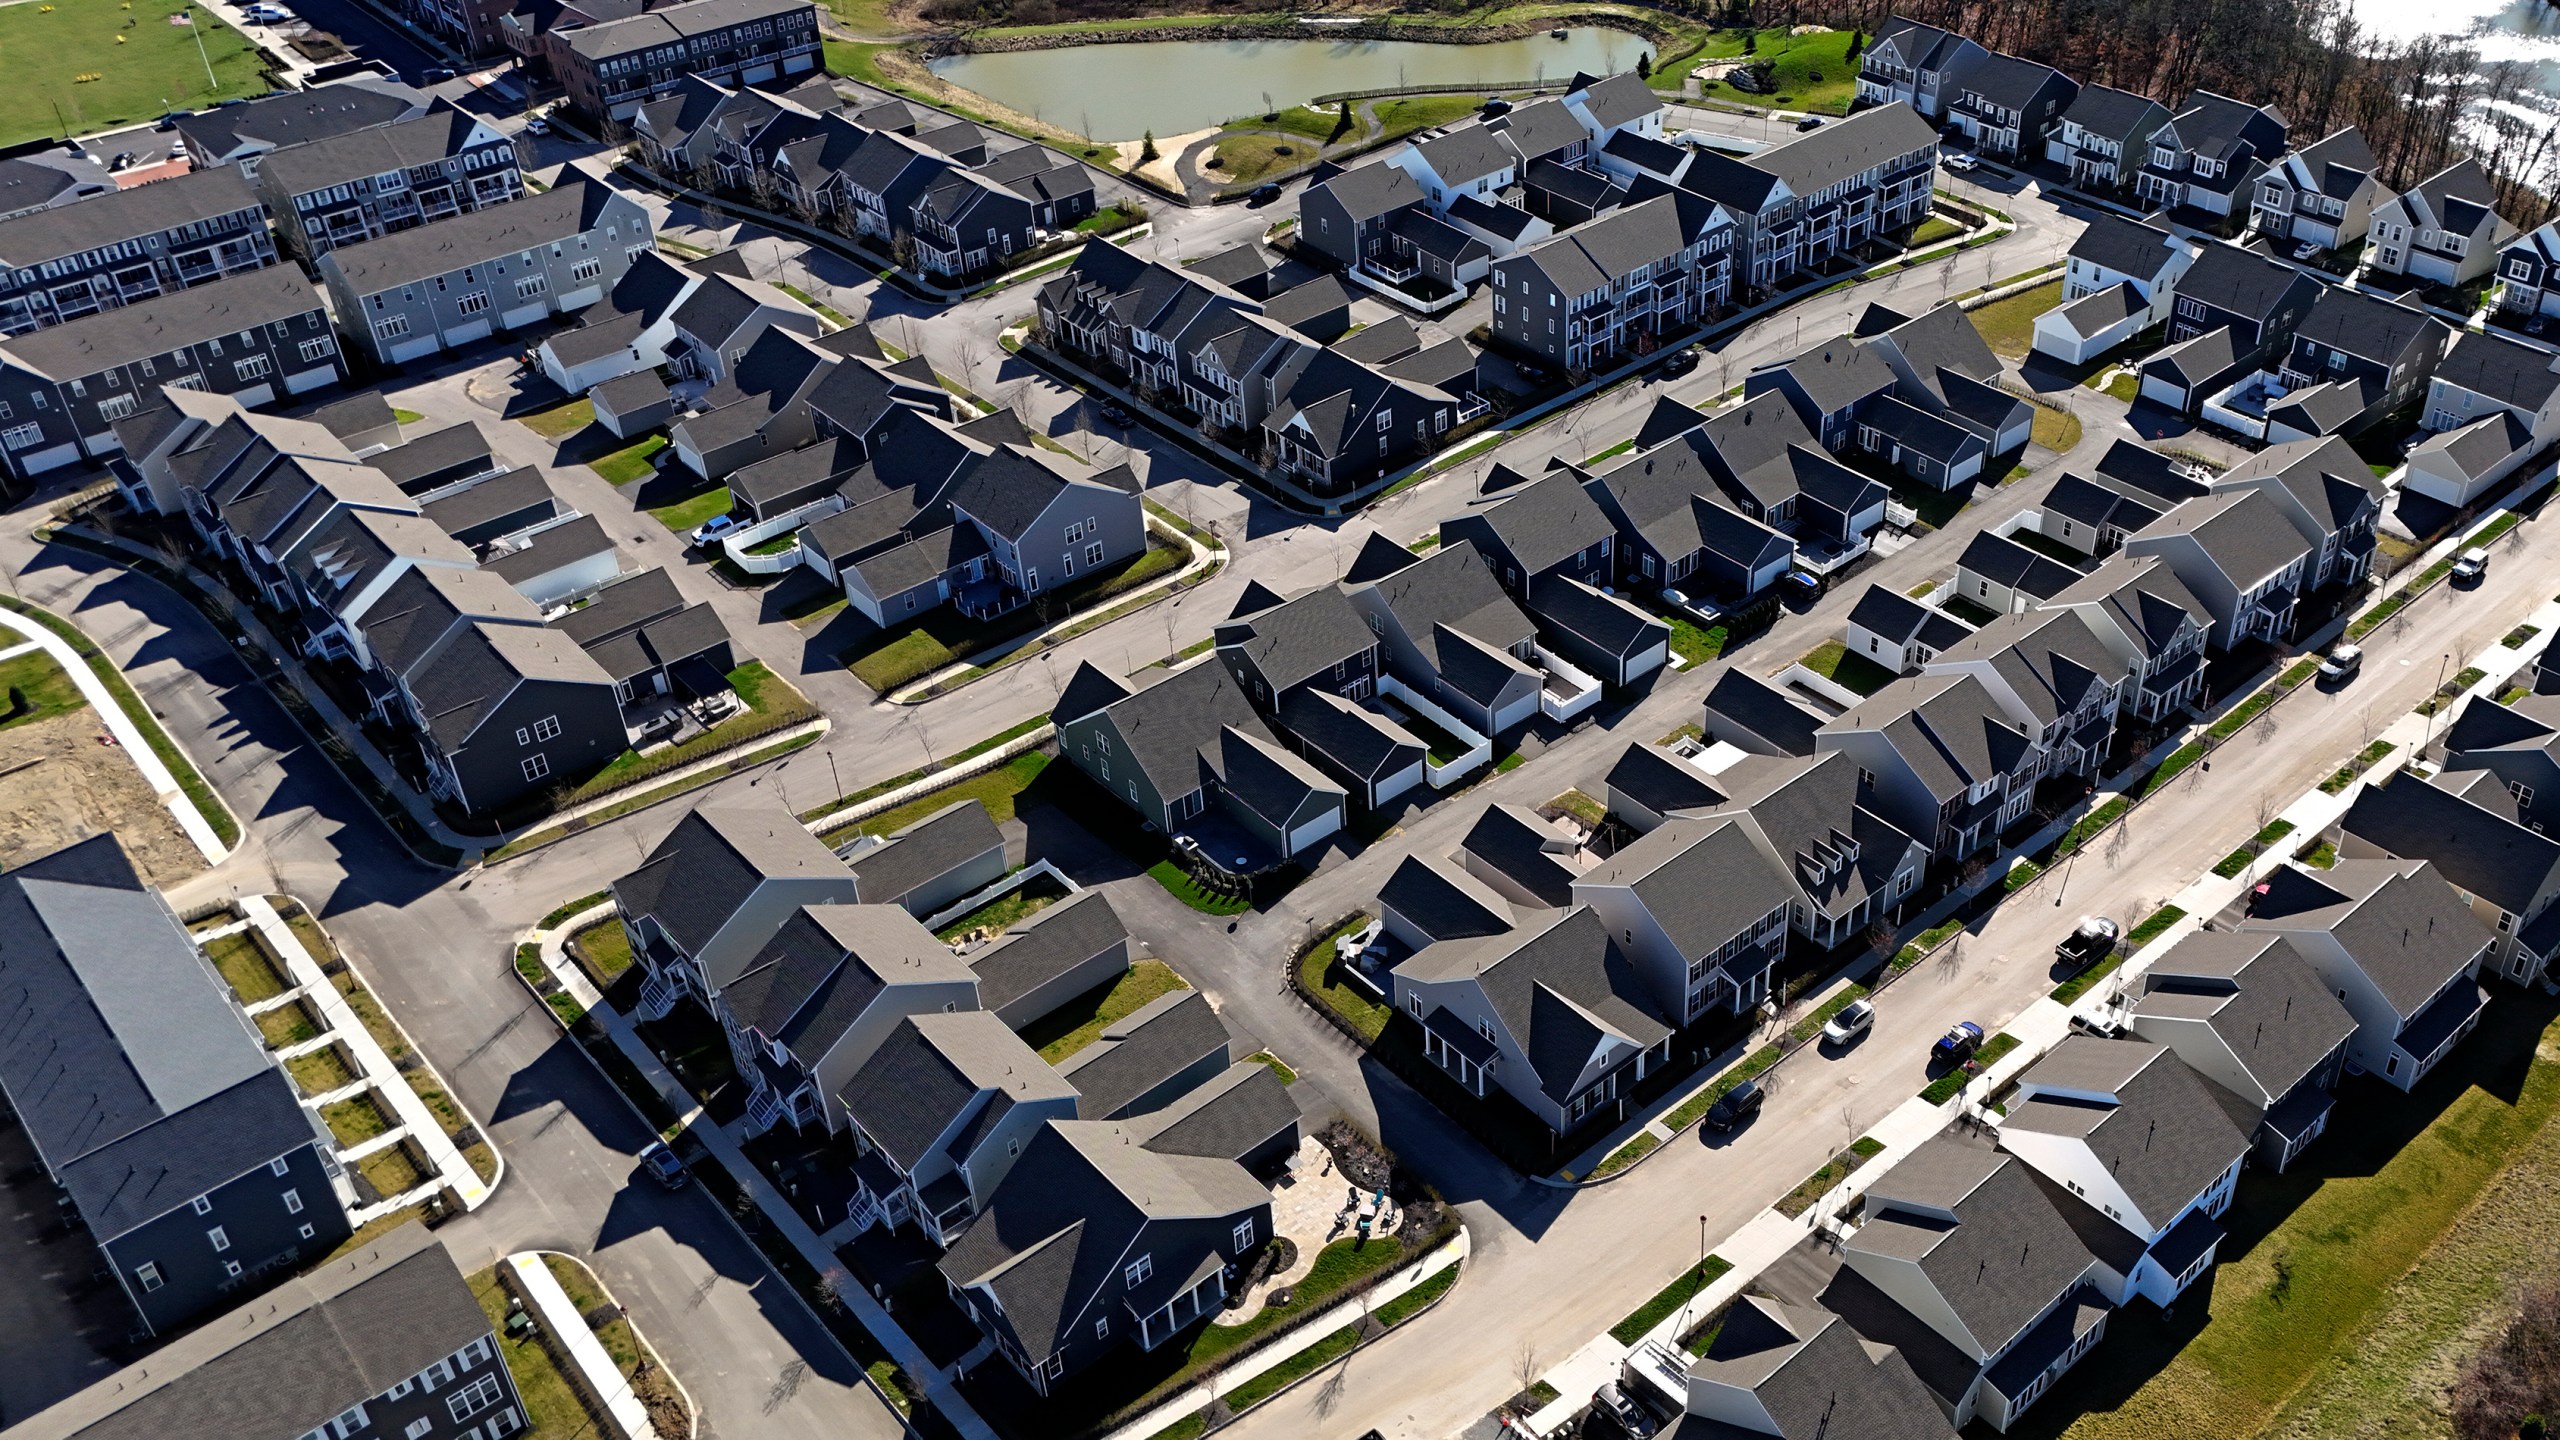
2421, 104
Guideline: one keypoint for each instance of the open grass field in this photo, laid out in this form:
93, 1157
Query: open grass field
1245, 158
2010, 325
2353, 1285
631, 462
143, 65
1406, 114
32, 687
682, 516
1810, 72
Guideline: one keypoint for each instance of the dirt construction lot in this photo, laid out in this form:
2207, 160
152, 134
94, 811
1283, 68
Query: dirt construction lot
64, 779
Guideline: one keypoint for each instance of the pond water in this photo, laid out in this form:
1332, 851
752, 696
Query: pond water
1174, 87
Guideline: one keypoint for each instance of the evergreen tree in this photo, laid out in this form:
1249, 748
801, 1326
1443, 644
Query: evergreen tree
1147, 151
1857, 43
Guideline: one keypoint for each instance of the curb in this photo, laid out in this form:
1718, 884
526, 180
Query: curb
692, 1411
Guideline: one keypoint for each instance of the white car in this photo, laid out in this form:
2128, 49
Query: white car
1961, 163
1855, 1019
2341, 663
2306, 249
2473, 564
537, 127
269, 14
713, 530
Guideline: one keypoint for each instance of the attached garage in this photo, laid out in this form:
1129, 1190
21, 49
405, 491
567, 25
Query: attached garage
1648, 660
758, 74
582, 297
52, 457
251, 398
2160, 390
1518, 712
1315, 831
413, 349
302, 381
457, 336
524, 315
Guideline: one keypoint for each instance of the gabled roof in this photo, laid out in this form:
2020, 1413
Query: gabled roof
1980, 1231
1539, 129
2128, 247
2474, 449
1049, 944
1545, 522
1368, 191
2239, 281
930, 1069
1140, 1052
1466, 154
429, 139
296, 116
2241, 531
559, 214
1815, 1378
2403, 925
708, 866
1444, 901
2336, 165
1360, 741
29, 240
1702, 881
822, 967
2257, 993
135, 1075
2004, 561
2507, 371
2115, 114
2009, 81
1615, 100
1226, 1117
1295, 642
2369, 326
2484, 851
1172, 727
2163, 1131
921, 853
1559, 984
1844, 148
302, 1353
163, 324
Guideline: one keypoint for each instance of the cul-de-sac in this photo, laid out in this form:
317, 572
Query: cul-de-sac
1147, 719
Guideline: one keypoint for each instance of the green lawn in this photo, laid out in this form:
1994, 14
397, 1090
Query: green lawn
1645, 1143
33, 687
1827, 1179
1671, 1297
1000, 914
1187, 890
2125, 387
1245, 158
631, 462
603, 950
1316, 125
1832, 661
1316, 969
1406, 114
888, 659
1081, 1021
1934, 229
552, 1407
2056, 428
355, 1121
2351, 1284
83, 65
1337, 1268
1810, 72
682, 516
2010, 325
560, 421
996, 789
1692, 644
770, 700
243, 965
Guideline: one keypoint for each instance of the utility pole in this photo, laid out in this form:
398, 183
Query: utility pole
210, 83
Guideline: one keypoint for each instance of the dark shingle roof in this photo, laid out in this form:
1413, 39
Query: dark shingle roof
1046, 946
162, 324
710, 864
1141, 1051
1225, 1117
2258, 994
2398, 919
2127, 247
930, 1069
476, 237
2507, 371
2167, 1134
30, 240
302, 1353
2003, 1260
926, 851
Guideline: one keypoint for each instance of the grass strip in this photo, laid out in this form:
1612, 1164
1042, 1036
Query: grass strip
1946, 1087
2238, 860
1749, 1067
1187, 890
2150, 929
1645, 1143
1641, 1320
2346, 774
1827, 1179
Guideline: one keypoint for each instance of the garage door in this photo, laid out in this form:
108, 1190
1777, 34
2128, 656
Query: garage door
1315, 830
581, 298
2016, 435
1519, 711
524, 315
408, 350
1648, 661
466, 332
36, 462
311, 379
798, 63
758, 74
1398, 783
254, 396
2166, 392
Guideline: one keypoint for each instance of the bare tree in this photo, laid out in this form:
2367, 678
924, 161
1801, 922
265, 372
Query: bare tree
1524, 1366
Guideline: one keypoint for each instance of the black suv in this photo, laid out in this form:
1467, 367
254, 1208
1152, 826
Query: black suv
1738, 1105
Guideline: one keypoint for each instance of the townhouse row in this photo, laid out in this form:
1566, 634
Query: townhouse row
490, 625
947, 198
1144, 1158
1600, 239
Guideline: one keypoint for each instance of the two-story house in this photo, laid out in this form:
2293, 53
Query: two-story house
1351, 219
611, 66
2105, 137
2210, 154
2484, 373
1310, 666
1699, 908
1817, 819
2117, 281
1553, 1012
2471, 825
2323, 194
1947, 763
2009, 108
715, 890
2528, 277
2148, 1150
2232, 312
2238, 553
2444, 230
2054, 676
1550, 545
2141, 610
1917, 65
371, 182
2331, 498
2355, 358
2248, 1012
1616, 287
1449, 632
238, 134
2396, 943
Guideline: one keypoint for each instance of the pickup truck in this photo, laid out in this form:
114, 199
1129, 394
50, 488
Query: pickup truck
2089, 942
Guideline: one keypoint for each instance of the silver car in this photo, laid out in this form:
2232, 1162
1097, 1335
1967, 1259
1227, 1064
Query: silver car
1855, 1019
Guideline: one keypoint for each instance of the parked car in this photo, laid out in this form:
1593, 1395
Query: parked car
1262, 195
123, 160
1739, 1104
1810, 122
1802, 584
1631, 1419
1961, 163
1958, 1044
537, 126
435, 75
1855, 1019
2089, 942
2341, 663
2473, 564
714, 530
1115, 413
661, 1162
2306, 249
1681, 361
265, 14
1494, 108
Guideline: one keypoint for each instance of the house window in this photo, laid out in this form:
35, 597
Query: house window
472, 304
149, 1274
535, 766
278, 1166
221, 1241
418, 1427
2522, 792
547, 728
473, 1398
231, 1269
293, 1202
314, 351
117, 407
532, 285
19, 437
1244, 1235
1093, 554
587, 269
391, 327
1102, 1327
203, 1204
255, 367
1138, 1271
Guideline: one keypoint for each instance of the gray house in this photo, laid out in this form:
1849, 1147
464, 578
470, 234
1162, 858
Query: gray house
373, 182
446, 285
240, 134
1191, 738
388, 1343
939, 1113
147, 1097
